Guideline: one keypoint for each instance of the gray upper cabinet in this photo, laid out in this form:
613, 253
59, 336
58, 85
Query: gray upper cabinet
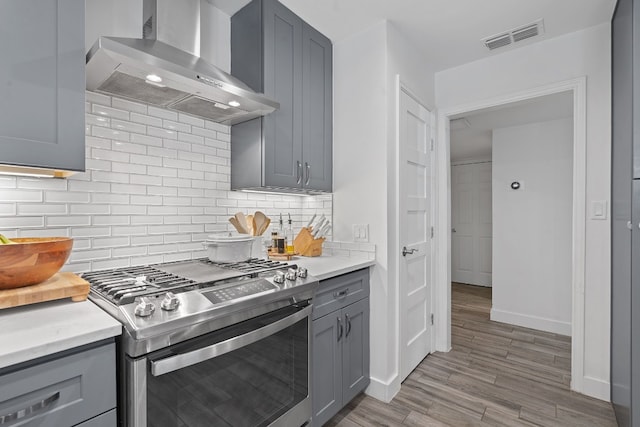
42, 84
276, 52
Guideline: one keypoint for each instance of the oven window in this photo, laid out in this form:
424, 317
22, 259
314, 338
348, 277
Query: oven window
251, 386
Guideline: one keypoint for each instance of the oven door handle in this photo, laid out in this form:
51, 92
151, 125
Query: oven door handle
174, 363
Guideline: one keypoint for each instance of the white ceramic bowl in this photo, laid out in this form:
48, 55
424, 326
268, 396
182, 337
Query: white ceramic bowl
229, 247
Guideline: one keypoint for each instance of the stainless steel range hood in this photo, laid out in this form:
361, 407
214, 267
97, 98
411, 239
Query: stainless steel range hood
154, 72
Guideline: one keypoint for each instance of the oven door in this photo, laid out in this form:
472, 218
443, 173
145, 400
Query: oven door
254, 373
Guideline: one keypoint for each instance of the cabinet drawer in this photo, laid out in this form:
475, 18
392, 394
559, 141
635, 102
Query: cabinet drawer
60, 392
338, 292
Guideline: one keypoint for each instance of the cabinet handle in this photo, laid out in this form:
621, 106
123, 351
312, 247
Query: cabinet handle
308, 166
298, 172
341, 294
348, 320
22, 413
340, 329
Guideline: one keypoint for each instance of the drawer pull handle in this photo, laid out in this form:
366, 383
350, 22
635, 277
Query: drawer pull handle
348, 321
4, 419
341, 294
340, 329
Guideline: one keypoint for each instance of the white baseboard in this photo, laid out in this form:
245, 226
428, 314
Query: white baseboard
384, 391
597, 388
533, 322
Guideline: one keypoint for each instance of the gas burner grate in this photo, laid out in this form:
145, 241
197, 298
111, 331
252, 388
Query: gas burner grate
254, 265
122, 286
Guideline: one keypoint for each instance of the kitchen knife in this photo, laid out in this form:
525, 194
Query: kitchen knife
311, 221
325, 230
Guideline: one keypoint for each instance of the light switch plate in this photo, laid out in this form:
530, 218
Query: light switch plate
360, 232
599, 209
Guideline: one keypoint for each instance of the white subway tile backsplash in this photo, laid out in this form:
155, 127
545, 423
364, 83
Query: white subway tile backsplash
90, 231
21, 222
41, 184
146, 120
8, 182
90, 209
101, 176
178, 127
133, 230
129, 147
146, 140
110, 198
130, 106
10, 195
103, 154
163, 114
137, 159
68, 220
111, 220
162, 133
217, 127
10, 209
157, 183
109, 133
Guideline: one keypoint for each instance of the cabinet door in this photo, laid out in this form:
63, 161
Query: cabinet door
355, 349
328, 334
317, 110
283, 83
42, 83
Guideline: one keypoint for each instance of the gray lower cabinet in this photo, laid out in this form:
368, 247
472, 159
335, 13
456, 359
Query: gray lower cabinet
340, 343
274, 51
42, 84
77, 388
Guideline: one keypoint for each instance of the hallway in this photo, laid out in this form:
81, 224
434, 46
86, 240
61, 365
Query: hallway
495, 375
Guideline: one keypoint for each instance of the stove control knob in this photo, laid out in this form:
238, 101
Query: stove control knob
145, 308
291, 274
279, 277
302, 272
170, 302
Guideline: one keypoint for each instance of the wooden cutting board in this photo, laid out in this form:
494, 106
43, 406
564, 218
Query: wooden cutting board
61, 285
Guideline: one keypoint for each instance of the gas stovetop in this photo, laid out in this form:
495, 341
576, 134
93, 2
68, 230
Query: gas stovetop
123, 285
162, 304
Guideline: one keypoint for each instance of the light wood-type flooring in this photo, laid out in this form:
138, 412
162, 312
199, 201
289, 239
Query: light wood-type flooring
495, 375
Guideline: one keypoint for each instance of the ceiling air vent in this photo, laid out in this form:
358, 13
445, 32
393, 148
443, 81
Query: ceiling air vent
515, 35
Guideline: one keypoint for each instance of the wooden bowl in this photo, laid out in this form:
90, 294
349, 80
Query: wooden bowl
32, 260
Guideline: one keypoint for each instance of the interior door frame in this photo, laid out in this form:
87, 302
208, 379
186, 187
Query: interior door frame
442, 216
395, 249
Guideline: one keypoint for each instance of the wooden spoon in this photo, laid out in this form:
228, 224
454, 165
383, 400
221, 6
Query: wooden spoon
234, 221
260, 219
242, 220
251, 225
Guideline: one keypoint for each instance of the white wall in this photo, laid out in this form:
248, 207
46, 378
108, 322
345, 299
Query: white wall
532, 226
584, 53
364, 73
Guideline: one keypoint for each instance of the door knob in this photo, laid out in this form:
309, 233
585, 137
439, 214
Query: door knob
406, 251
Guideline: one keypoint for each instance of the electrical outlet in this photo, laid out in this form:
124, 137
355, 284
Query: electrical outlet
360, 232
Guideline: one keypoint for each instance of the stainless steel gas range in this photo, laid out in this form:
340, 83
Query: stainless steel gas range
216, 344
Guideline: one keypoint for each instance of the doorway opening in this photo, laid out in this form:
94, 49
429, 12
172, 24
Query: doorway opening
516, 186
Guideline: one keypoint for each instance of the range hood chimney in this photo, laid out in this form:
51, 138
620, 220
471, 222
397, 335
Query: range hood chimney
164, 68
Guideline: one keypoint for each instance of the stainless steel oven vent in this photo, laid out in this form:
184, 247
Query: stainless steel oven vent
515, 35
164, 69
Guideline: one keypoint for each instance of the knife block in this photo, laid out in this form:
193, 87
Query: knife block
306, 245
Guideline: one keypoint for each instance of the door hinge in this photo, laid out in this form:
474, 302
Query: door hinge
432, 319
431, 144
432, 232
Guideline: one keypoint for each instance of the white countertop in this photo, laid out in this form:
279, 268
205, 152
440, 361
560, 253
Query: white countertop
325, 266
37, 330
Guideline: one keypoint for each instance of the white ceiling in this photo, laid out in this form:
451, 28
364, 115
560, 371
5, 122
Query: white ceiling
474, 142
449, 32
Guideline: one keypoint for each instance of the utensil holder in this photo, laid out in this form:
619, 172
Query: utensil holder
306, 245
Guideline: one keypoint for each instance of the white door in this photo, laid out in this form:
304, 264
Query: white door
415, 192
471, 226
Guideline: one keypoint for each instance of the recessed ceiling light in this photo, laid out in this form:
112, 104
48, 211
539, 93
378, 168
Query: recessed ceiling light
234, 103
154, 78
